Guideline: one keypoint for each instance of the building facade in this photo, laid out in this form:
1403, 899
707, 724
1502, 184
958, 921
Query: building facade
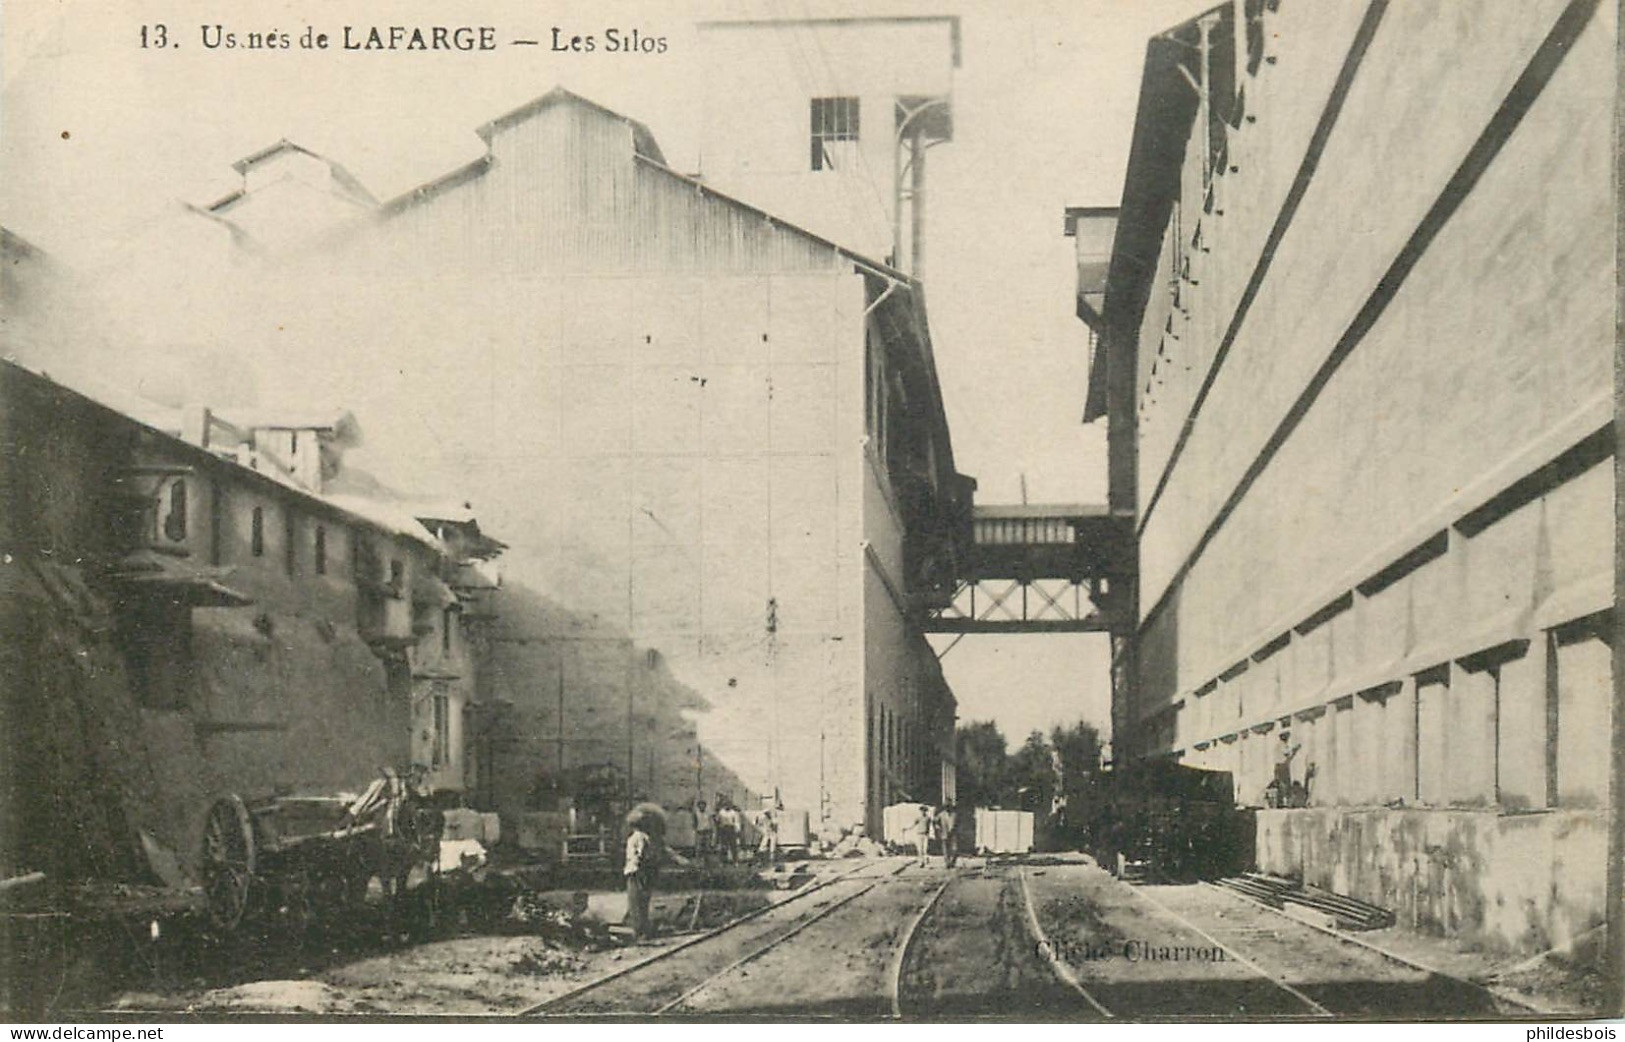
713, 440
1357, 372
184, 618
826, 122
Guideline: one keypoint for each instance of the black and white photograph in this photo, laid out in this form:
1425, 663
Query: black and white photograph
1077, 512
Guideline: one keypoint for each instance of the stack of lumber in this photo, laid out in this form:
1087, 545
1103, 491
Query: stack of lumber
1350, 913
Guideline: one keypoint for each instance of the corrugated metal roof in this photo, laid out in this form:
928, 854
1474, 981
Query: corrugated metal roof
643, 141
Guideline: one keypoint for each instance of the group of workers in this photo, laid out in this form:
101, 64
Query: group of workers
939, 824
716, 832
719, 830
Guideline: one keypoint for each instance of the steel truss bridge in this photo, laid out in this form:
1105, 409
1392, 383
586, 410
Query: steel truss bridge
1052, 568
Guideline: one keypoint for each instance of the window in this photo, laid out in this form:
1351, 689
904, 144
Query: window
442, 731
321, 550
446, 623
833, 120
217, 509
397, 577
290, 542
175, 520
256, 537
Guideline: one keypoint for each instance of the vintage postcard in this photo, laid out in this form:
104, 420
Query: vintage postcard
1074, 510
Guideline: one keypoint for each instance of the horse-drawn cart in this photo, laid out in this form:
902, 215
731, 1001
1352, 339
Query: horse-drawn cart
314, 857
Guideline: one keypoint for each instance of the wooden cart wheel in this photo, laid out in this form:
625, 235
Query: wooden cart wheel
229, 857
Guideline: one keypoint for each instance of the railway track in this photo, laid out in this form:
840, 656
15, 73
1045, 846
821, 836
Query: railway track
1046, 947
661, 984
1092, 992
684, 1002
871, 942
900, 956
1315, 1008
1498, 997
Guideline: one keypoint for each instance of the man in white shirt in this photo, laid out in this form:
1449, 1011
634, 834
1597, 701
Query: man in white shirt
639, 870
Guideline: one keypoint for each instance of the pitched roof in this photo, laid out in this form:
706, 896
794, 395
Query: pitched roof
643, 142
644, 149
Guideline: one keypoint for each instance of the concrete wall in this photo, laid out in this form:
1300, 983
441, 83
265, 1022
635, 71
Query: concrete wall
1375, 470
1489, 408
1524, 882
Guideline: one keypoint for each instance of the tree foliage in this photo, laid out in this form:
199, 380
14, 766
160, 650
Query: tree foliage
989, 775
982, 752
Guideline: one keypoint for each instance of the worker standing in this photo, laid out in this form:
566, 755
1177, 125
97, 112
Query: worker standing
639, 870
1279, 791
705, 824
922, 834
769, 824
728, 830
946, 822
646, 850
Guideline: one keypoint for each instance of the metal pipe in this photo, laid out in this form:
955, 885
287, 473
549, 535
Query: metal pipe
906, 127
916, 205
890, 289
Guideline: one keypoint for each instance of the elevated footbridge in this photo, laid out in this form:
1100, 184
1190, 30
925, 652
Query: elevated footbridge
1042, 568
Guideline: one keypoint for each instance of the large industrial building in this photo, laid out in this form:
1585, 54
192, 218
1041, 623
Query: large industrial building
712, 439
1356, 363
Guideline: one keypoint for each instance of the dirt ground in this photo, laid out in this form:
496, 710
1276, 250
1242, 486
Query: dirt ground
1318, 975
837, 966
974, 956
479, 974
837, 949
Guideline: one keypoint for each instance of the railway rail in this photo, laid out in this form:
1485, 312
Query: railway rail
1316, 1008
757, 952
1494, 995
992, 947
906, 942
1054, 954
583, 1000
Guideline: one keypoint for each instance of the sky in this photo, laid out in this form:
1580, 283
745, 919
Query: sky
100, 138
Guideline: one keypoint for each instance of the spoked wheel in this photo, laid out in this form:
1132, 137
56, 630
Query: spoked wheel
228, 861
